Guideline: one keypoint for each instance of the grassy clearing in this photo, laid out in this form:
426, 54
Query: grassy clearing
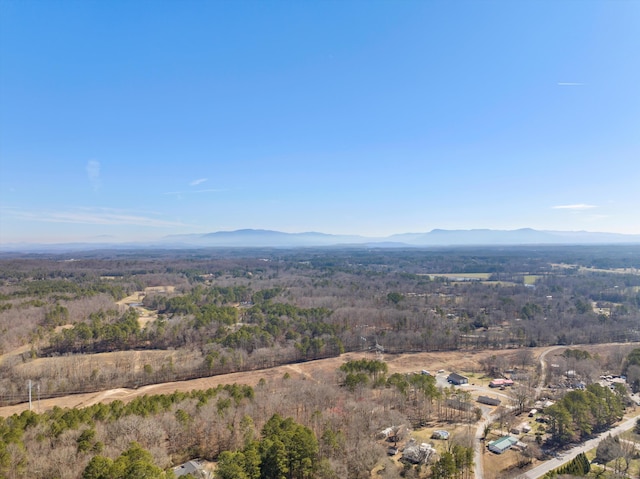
531, 278
596, 270
463, 276
494, 464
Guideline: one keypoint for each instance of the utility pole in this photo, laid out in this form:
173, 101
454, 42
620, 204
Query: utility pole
29, 385
38, 388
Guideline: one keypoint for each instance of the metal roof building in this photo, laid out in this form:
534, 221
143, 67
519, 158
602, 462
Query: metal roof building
500, 445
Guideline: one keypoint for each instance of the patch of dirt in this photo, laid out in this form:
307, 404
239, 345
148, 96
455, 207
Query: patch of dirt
145, 316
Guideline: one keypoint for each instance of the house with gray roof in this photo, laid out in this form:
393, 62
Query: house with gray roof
500, 445
195, 467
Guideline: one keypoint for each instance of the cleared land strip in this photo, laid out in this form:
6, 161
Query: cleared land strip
322, 370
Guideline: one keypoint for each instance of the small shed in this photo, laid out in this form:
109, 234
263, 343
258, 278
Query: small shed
500, 445
440, 434
457, 379
519, 446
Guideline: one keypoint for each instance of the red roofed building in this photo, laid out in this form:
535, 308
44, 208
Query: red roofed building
498, 383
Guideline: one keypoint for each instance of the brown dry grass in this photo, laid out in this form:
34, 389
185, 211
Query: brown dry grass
313, 370
465, 361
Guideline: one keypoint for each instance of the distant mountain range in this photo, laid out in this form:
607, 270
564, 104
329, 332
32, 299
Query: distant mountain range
437, 237
256, 238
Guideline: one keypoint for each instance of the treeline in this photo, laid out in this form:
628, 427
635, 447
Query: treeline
356, 286
286, 428
65, 289
199, 296
285, 450
86, 434
578, 466
250, 309
580, 414
134, 463
99, 335
454, 464
201, 323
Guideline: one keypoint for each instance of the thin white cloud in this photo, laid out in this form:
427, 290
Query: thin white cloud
93, 173
198, 181
179, 194
92, 217
580, 206
570, 83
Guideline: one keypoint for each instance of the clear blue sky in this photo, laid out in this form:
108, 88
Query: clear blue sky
137, 119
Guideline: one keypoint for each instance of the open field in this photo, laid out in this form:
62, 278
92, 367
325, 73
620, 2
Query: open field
597, 270
461, 276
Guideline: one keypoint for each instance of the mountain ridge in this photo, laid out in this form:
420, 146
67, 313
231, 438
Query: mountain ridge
259, 238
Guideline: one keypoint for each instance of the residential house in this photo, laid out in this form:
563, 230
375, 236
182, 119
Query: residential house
418, 453
498, 383
500, 445
457, 379
195, 467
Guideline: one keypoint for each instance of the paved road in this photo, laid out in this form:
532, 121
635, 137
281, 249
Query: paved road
548, 466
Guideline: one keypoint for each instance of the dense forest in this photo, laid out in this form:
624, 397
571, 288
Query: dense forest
97, 320
234, 310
